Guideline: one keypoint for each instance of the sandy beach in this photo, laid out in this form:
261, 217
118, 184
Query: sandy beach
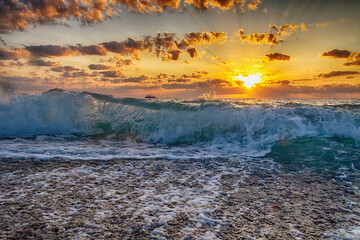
162, 199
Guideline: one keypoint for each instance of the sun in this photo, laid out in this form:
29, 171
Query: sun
249, 79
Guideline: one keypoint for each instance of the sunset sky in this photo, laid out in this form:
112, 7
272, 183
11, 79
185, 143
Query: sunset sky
182, 49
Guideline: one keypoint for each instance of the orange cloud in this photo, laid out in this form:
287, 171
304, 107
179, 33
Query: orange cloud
273, 37
260, 38
225, 4
14, 54
336, 74
277, 57
20, 14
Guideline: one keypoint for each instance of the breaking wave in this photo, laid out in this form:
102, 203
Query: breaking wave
252, 124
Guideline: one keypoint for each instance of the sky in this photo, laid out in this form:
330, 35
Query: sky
182, 48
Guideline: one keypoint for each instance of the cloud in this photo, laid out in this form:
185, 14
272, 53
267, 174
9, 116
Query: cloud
336, 74
123, 79
50, 51
42, 63
323, 24
78, 74
208, 84
288, 29
225, 4
64, 69
18, 15
92, 50
124, 62
165, 45
128, 47
353, 59
260, 38
273, 37
99, 67
139, 79
111, 74
336, 53
14, 54
173, 55
192, 52
277, 57
179, 80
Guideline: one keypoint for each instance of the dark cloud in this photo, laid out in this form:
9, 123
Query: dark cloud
14, 54
111, 74
64, 69
336, 74
123, 79
99, 67
353, 59
173, 55
336, 53
128, 47
277, 57
139, 79
192, 52
42, 63
50, 51
179, 80
92, 50
78, 74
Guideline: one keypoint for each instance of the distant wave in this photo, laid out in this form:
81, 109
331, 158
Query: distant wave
250, 124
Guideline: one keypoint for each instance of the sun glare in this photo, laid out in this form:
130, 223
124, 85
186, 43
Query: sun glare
249, 80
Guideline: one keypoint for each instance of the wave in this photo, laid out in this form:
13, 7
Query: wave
251, 124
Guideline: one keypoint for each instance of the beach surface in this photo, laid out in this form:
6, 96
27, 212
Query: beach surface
167, 199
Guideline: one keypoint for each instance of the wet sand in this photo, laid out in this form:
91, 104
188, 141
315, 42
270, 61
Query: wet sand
162, 199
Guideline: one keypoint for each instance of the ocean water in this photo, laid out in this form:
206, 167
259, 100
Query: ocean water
83, 125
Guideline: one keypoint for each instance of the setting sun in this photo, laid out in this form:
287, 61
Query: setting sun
249, 80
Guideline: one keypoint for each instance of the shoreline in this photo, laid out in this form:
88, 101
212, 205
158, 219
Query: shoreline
165, 199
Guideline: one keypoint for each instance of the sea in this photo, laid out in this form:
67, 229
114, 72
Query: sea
231, 137
84, 125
